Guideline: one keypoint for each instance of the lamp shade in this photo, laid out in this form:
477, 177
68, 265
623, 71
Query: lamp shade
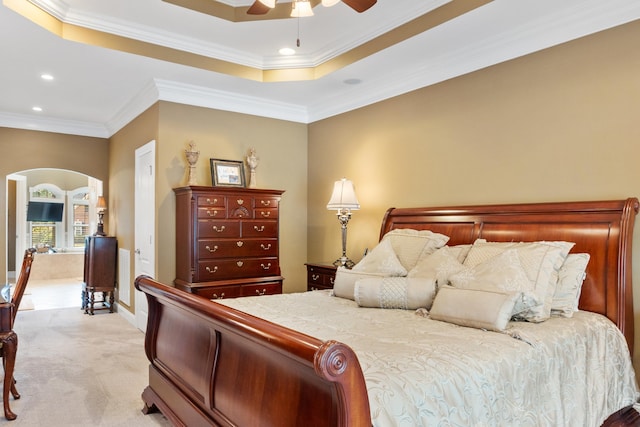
101, 205
301, 8
329, 3
343, 196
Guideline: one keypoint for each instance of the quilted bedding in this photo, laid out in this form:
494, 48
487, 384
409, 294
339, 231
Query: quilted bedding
422, 372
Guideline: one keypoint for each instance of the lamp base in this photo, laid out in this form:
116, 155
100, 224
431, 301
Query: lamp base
100, 230
343, 261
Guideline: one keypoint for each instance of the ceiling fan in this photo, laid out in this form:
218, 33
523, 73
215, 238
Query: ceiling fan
260, 7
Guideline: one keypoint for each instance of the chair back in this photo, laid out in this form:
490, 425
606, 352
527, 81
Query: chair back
21, 283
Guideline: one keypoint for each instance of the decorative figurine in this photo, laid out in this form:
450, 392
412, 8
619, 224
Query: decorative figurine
252, 161
192, 158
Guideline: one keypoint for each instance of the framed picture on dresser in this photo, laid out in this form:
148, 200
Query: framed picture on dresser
227, 173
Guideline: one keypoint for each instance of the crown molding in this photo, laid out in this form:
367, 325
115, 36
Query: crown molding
52, 124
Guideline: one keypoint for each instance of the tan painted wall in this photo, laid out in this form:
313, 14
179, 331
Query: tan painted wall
121, 213
24, 149
561, 124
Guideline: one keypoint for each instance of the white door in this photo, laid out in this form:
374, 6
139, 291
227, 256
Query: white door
145, 213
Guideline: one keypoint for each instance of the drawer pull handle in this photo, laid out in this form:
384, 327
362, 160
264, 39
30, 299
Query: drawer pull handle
259, 229
240, 202
219, 230
315, 277
215, 296
212, 202
239, 244
265, 247
265, 267
239, 263
211, 270
264, 291
212, 212
265, 214
265, 202
215, 248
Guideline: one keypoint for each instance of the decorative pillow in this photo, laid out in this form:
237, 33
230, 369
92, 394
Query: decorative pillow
395, 292
439, 265
345, 281
409, 245
382, 259
505, 274
474, 308
541, 262
570, 279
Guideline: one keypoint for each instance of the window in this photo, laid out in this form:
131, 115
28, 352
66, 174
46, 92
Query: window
46, 234
79, 216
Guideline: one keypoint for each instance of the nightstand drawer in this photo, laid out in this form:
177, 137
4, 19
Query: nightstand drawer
320, 276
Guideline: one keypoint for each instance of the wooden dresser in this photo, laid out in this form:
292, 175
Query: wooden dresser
100, 259
227, 241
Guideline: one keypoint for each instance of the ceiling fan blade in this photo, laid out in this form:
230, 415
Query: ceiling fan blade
257, 8
359, 5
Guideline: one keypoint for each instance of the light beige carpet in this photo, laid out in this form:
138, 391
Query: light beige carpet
73, 369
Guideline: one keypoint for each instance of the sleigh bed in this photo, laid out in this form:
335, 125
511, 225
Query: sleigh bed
215, 364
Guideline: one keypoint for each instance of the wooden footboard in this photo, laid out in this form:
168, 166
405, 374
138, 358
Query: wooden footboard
213, 365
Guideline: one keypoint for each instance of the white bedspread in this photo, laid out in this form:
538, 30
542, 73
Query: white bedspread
421, 372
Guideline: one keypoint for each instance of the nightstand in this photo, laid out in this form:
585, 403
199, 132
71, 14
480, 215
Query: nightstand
320, 276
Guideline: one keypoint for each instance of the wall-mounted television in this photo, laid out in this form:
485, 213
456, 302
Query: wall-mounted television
45, 211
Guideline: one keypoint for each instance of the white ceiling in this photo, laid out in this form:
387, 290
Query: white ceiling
96, 91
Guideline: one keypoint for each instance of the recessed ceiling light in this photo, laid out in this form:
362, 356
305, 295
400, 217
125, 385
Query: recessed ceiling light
38, 109
46, 77
353, 81
287, 51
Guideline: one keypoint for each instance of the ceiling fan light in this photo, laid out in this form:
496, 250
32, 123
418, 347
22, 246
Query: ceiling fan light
301, 8
268, 3
329, 3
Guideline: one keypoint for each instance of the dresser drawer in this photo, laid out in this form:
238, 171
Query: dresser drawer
215, 212
233, 269
266, 213
262, 289
237, 248
211, 200
266, 202
218, 229
220, 292
259, 228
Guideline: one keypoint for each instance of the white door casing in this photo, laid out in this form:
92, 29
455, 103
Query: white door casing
144, 224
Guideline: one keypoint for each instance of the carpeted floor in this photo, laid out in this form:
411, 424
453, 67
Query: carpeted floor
74, 369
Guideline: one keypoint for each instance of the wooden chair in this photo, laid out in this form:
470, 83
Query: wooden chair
8, 338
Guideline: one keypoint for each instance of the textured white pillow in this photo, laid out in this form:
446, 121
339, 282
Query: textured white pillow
409, 245
541, 262
474, 308
570, 279
395, 292
502, 273
345, 281
439, 265
381, 259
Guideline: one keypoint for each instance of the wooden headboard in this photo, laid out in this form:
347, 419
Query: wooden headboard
604, 229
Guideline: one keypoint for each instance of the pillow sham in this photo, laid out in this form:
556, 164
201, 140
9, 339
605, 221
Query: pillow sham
382, 259
345, 281
439, 265
395, 292
505, 274
570, 279
409, 244
474, 308
541, 262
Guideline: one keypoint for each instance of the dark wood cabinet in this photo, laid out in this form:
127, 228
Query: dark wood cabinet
227, 241
320, 276
100, 258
